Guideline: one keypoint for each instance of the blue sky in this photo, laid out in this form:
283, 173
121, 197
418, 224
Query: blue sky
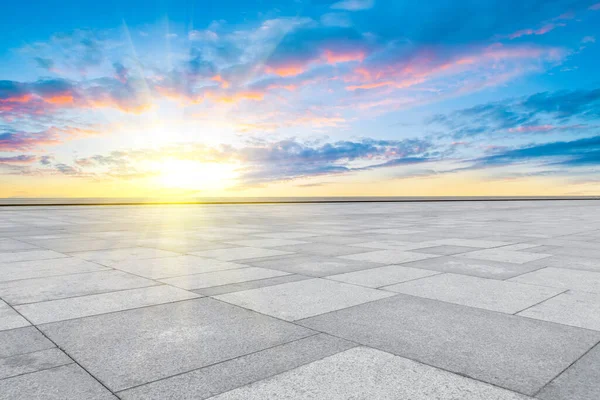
351, 97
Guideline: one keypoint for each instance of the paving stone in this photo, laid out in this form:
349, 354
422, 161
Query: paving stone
334, 239
9, 318
112, 256
296, 300
501, 296
181, 244
312, 265
286, 235
589, 264
60, 287
517, 257
29, 255
473, 267
509, 351
21, 341
219, 278
388, 256
83, 306
68, 382
32, 362
484, 244
238, 287
585, 281
206, 382
580, 309
265, 243
381, 276
240, 253
134, 347
7, 245
322, 249
167, 267
581, 381
363, 373
44, 268
446, 250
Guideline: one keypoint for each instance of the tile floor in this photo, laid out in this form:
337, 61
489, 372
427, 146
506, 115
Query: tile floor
301, 301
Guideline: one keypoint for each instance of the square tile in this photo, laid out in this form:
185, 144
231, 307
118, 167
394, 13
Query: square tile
32, 362
206, 382
588, 264
134, 347
381, 276
263, 243
581, 381
168, 267
29, 255
388, 256
112, 256
445, 250
473, 267
363, 373
240, 253
322, 249
490, 294
238, 287
68, 382
218, 278
297, 300
59, 287
516, 257
21, 341
44, 268
311, 265
9, 318
580, 309
501, 349
84, 306
8, 244
586, 281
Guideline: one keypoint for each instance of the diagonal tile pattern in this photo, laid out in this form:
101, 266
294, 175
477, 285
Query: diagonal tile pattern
325, 301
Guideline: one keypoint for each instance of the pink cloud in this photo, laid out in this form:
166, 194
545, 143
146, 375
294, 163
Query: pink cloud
541, 31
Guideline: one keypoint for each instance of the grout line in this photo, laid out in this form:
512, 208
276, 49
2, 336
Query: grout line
538, 303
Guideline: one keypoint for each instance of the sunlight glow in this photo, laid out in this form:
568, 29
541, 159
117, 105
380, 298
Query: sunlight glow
188, 174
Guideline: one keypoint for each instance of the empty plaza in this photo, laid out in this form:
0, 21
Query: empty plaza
449, 300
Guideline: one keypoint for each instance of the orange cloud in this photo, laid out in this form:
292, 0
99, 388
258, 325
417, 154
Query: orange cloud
335, 58
223, 82
286, 70
236, 97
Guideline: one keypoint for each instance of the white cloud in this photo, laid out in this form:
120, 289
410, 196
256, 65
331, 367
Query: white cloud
353, 5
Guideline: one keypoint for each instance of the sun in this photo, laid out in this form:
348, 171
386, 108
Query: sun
195, 175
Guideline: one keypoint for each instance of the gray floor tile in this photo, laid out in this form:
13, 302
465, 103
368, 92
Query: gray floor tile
312, 265
580, 309
44, 268
29, 255
21, 341
167, 267
581, 381
363, 373
585, 281
210, 381
296, 300
32, 362
381, 276
181, 245
7, 245
219, 278
134, 347
589, 264
490, 294
445, 250
266, 243
286, 235
509, 351
68, 382
473, 267
322, 249
388, 256
83, 306
240, 253
238, 287
112, 256
484, 244
9, 318
60, 287
497, 254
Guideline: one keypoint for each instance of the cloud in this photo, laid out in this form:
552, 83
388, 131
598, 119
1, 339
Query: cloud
582, 152
540, 31
353, 5
537, 113
21, 159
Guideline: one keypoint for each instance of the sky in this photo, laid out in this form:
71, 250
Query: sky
299, 98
